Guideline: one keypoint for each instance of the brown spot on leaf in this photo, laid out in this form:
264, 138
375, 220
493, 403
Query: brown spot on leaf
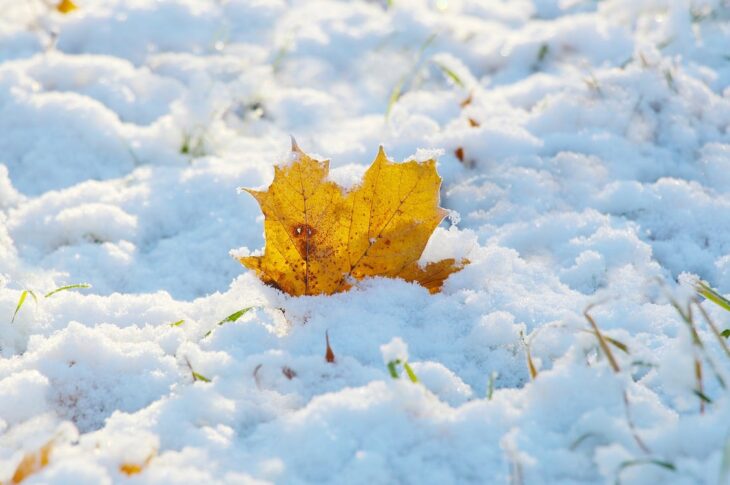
303, 234
303, 231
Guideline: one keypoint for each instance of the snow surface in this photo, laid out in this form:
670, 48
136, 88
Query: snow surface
600, 166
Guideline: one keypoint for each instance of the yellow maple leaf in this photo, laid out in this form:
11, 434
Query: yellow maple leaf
32, 462
66, 6
320, 238
130, 469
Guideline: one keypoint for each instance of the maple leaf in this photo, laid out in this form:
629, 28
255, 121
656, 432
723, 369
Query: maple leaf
320, 238
32, 463
130, 469
66, 6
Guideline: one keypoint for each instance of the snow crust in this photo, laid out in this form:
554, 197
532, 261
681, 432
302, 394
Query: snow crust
596, 170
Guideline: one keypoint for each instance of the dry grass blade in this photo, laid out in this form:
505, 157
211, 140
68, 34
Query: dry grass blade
530, 364
700, 391
632, 427
688, 318
715, 331
329, 355
616, 343
603, 343
601, 340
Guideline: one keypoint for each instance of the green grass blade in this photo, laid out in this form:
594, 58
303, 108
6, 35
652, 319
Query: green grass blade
702, 396
177, 324
648, 461
411, 375
278, 58
725, 464
706, 291
427, 43
448, 72
235, 315
21, 300
490, 385
580, 440
643, 461
67, 287
395, 95
199, 377
397, 91
231, 318
392, 368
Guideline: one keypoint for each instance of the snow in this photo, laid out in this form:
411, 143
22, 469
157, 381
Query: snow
596, 144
